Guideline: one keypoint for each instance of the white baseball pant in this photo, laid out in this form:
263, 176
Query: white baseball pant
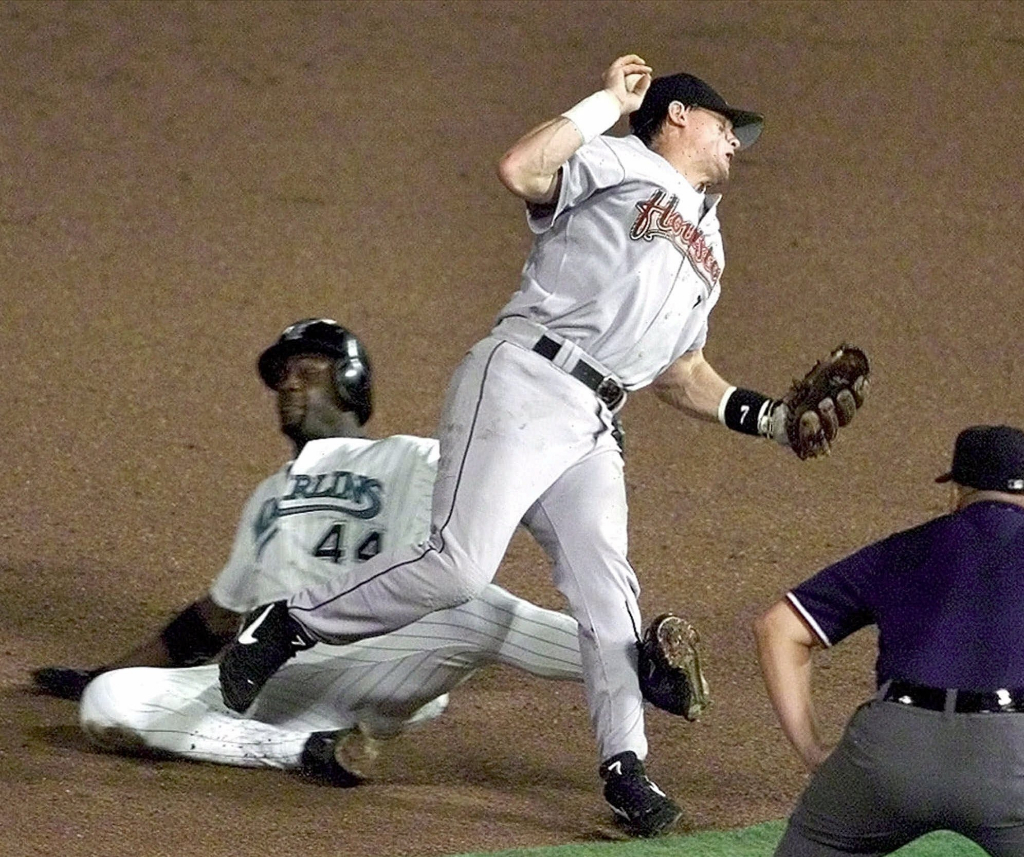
384, 684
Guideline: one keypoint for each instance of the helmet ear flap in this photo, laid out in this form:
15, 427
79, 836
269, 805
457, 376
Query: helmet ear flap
352, 379
342, 377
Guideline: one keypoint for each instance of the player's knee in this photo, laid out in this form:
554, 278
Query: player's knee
105, 711
98, 704
461, 580
452, 592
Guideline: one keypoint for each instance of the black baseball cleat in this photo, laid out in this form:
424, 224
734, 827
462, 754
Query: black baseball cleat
642, 808
342, 759
268, 638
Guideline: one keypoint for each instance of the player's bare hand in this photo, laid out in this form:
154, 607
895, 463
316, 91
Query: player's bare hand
628, 79
63, 682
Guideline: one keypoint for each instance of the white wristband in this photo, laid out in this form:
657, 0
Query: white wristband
595, 114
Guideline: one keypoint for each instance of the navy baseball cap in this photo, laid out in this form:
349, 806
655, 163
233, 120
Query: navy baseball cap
692, 92
990, 458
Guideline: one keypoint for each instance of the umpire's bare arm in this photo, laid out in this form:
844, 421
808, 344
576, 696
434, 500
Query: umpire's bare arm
784, 650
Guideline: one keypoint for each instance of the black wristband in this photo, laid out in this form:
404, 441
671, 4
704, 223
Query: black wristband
744, 409
189, 640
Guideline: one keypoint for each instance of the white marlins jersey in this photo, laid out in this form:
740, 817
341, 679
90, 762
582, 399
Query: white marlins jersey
630, 280
341, 501
326, 511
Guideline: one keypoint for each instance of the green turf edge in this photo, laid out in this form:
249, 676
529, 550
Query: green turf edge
757, 841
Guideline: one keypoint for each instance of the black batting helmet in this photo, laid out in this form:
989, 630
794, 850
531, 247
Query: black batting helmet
324, 336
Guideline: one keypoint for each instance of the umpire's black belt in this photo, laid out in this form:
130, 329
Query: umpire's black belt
1002, 701
608, 390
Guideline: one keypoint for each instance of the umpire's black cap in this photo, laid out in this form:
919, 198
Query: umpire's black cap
692, 92
989, 458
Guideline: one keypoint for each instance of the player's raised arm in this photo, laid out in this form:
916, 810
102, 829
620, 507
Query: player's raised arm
530, 168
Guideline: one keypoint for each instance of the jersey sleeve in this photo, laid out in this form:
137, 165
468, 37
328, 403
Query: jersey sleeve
412, 517
591, 168
232, 588
837, 601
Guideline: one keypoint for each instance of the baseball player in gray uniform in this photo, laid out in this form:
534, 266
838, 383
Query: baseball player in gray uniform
615, 296
342, 500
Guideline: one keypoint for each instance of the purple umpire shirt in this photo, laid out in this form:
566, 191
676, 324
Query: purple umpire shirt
947, 597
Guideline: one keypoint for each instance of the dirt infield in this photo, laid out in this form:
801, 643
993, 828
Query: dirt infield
180, 180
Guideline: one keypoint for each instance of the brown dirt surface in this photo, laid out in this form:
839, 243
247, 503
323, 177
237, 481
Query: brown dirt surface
178, 181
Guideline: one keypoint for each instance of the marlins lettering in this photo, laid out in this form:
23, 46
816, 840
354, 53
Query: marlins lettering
659, 219
341, 491
360, 496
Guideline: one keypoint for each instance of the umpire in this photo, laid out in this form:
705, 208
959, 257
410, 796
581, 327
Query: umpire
941, 744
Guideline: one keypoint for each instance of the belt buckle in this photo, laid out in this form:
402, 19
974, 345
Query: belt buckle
1002, 701
611, 393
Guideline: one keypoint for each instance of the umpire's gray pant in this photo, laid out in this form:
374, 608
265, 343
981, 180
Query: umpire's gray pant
900, 772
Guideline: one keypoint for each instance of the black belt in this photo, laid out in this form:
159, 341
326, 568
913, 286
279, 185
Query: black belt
1003, 701
608, 390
